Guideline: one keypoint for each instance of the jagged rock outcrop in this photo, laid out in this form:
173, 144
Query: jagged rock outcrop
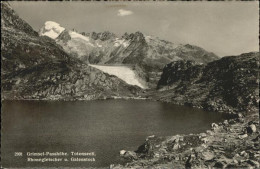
179, 71
226, 85
103, 36
35, 67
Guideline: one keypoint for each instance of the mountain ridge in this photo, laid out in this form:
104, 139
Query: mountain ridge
134, 37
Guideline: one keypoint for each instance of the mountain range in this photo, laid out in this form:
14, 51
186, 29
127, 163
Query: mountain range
146, 54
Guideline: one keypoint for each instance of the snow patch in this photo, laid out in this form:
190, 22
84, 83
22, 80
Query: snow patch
122, 72
98, 45
119, 42
51, 29
147, 38
75, 35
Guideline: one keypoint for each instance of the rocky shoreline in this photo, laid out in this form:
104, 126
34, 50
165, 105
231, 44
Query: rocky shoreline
232, 143
81, 99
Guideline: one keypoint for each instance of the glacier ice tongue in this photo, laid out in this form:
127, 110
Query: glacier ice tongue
122, 72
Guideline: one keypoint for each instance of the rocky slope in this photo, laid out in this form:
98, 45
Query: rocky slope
226, 85
146, 54
35, 67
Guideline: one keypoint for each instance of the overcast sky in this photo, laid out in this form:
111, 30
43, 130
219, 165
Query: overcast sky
225, 28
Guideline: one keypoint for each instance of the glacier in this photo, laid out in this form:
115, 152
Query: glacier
122, 72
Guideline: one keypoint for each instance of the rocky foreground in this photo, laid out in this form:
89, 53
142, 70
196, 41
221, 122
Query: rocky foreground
231, 144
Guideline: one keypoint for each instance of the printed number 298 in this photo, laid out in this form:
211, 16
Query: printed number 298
18, 154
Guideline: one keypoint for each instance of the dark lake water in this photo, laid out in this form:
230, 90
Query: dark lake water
104, 127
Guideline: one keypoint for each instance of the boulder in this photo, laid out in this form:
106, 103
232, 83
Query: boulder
205, 140
243, 136
152, 136
130, 155
207, 155
243, 153
251, 129
122, 152
176, 146
202, 135
256, 139
214, 126
240, 115
209, 132
225, 122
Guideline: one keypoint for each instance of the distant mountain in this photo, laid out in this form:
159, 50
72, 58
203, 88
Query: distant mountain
147, 54
51, 29
226, 85
36, 67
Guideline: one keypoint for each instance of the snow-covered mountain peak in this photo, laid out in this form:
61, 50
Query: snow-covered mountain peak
51, 29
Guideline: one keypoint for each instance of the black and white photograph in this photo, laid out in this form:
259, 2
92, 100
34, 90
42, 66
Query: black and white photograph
130, 84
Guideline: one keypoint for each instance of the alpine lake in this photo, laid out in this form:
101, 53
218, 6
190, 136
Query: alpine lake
96, 129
